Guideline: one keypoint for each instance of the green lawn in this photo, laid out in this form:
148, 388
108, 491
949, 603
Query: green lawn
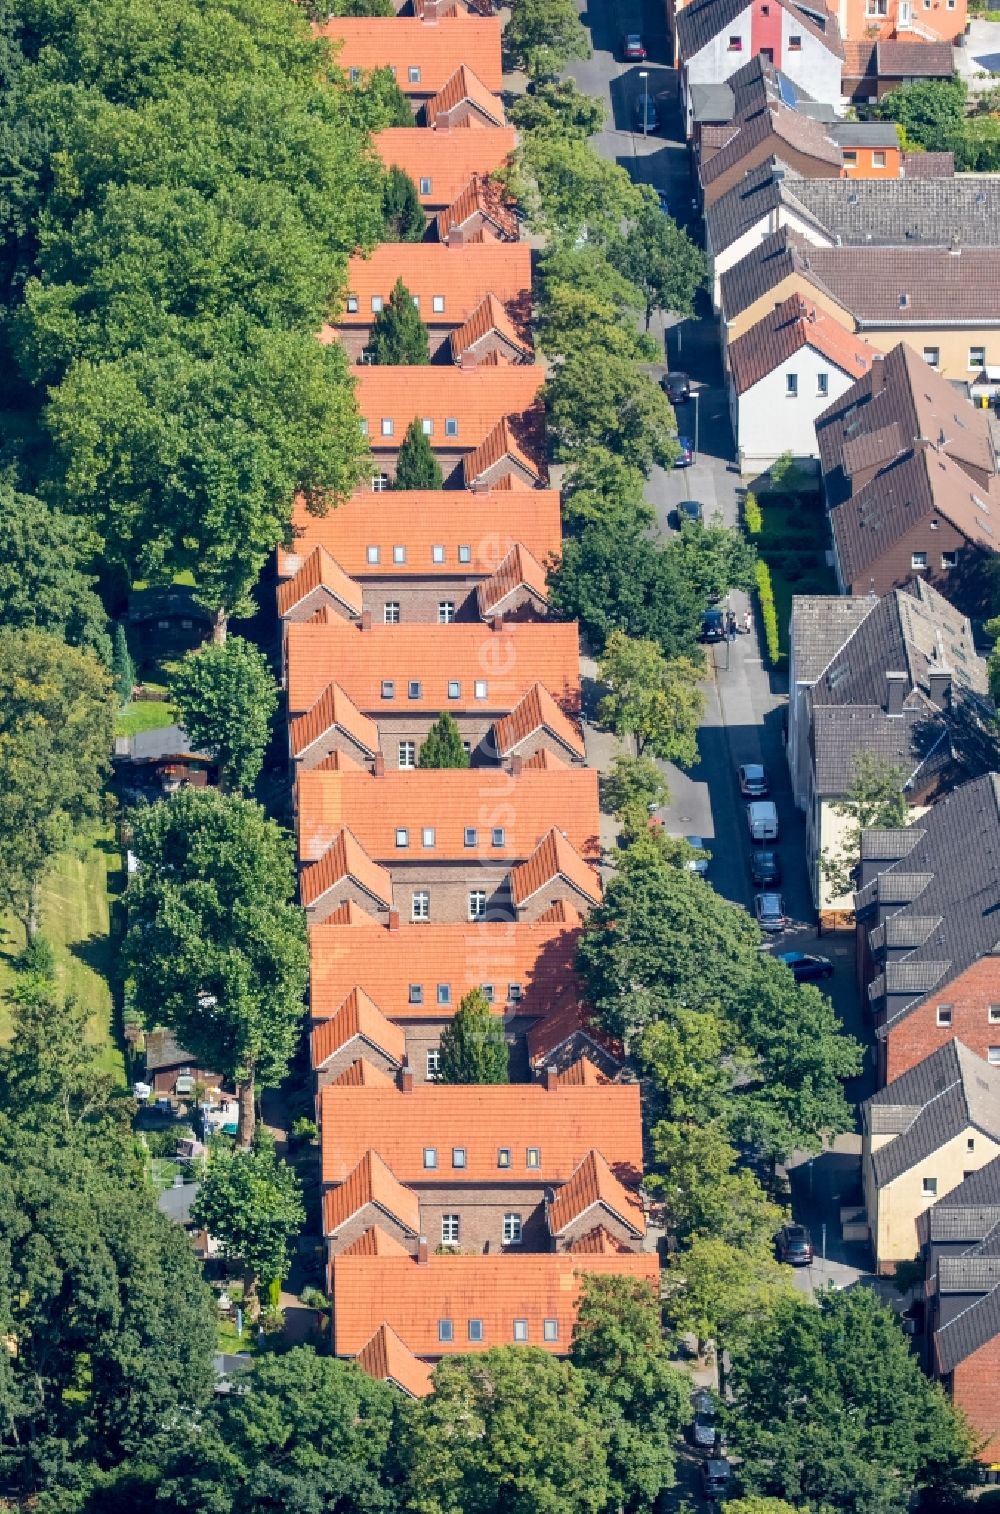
143, 715
75, 918
793, 543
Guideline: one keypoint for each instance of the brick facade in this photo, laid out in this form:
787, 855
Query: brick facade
916, 1035
973, 1388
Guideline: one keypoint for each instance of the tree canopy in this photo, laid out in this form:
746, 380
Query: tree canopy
613, 405
45, 577
657, 256
216, 947
570, 194
226, 697
398, 335
543, 35
473, 1044
442, 747
252, 1204
416, 465
559, 107
651, 698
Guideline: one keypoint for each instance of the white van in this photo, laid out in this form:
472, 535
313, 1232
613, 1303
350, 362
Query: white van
762, 818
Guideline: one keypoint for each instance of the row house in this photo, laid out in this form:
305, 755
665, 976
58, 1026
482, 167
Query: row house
422, 557
387, 991
872, 68
397, 1314
421, 56
927, 935
482, 1169
484, 426
364, 689
442, 164
448, 845
450, 284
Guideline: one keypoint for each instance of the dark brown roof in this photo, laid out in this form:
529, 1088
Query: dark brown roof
911, 286
914, 60
929, 165
790, 326
787, 128
772, 261
700, 22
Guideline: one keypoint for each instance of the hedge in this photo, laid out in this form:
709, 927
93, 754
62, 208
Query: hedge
752, 517
768, 614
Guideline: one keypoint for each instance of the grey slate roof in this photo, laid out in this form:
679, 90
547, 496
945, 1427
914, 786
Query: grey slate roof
758, 195
712, 102
968, 1331
978, 1193
945, 1094
865, 134
959, 854
821, 623
901, 212
699, 22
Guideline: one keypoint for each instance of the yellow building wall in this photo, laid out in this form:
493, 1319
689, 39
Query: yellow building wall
899, 1203
794, 284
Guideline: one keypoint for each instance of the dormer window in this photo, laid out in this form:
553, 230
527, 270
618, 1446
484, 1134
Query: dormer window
450, 427
376, 303
352, 304
454, 689
437, 554
437, 300
425, 186
414, 689
388, 689
464, 554
413, 75
399, 555
402, 838
372, 553
387, 425
427, 426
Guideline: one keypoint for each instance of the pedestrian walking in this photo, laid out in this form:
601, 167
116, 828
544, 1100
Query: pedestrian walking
732, 625
747, 622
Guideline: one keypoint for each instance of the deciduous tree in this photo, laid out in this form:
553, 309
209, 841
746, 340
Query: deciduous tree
543, 35
473, 1045
569, 193
252, 1204
614, 405
416, 465
875, 800
651, 698
659, 257
225, 697
559, 107
725, 1293
634, 787
45, 578
442, 746
705, 1193
398, 334
216, 946
931, 112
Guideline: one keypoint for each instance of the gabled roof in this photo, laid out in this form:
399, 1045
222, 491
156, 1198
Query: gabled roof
537, 711
597, 1242
464, 86
476, 401
449, 159
765, 267
333, 710
403, 43
760, 195
947, 1093
564, 1023
594, 1187
896, 59
489, 318
967, 1332
462, 275
438, 533
480, 196
358, 1016
785, 330
459, 806
903, 212
375, 1242
385, 1358
559, 1123
970, 1212
788, 129
554, 857
369, 1181
524, 653
700, 23
344, 860
350, 913
363, 1074
583, 1073
537, 958
910, 286
319, 571
519, 570
502, 443
411, 1297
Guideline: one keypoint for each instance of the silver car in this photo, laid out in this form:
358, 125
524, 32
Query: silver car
697, 865
703, 1426
753, 781
770, 912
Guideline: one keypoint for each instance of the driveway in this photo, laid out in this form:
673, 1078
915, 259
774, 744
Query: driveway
981, 54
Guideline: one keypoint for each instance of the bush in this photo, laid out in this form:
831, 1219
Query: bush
752, 518
305, 1130
768, 613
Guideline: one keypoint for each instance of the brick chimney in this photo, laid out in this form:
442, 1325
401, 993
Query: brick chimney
379, 766
468, 362
550, 1078
516, 764
456, 236
366, 620
441, 122
429, 12
496, 624
422, 1250
878, 375
895, 693
406, 1078
939, 682
393, 921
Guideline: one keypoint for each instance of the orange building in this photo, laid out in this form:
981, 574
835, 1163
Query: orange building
908, 20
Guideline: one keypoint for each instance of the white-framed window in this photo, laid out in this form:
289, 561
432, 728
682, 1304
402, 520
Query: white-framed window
993, 1055
791, 385
464, 553
445, 1331
878, 159
929, 1188
388, 689
944, 1014
533, 1157
458, 1157
932, 357
454, 688
444, 994
446, 612
407, 754
993, 1014
550, 1330
736, 44
425, 186
480, 688
977, 357
420, 905
476, 1330
377, 303
795, 43
437, 554
399, 556
414, 689
450, 426
352, 304
387, 425
430, 1158
514, 993
512, 1230
521, 1331
850, 158
402, 837
471, 836
380, 483
488, 992
363, 423
437, 303
918, 559
877, 8
970, 1143
477, 903
949, 559
428, 837
390, 612
372, 553
433, 1063
413, 74
499, 836
416, 301
416, 993
503, 1156
822, 384
427, 425
449, 1229
355, 75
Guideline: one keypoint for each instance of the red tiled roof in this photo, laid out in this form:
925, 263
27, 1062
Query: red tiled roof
475, 401
402, 43
344, 859
597, 1242
333, 708
509, 662
594, 1186
449, 159
489, 316
465, 85
583, 1073
368, 1182
569, 1019
411, 1297
373, 809
386, 1359
319, 571
421, 523
357, 1016
462, 276
519, 570
375, 1242
544, 761
561, 912
363, 1074
538, 958
560, 1122
554, 857
785, 330
350, 913
480, 196
500, 443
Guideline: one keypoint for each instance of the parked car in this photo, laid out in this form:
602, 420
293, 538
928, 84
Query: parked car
697, 865
633, 48
765, 869
676, 386
715, 1474
702, 1430
686, 457
806, 968
713, 626
770, 911
689, 509
795, 1245
753, 781
646, 117
762, 818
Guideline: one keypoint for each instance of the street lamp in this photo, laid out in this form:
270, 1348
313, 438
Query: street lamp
695, 397
644, 76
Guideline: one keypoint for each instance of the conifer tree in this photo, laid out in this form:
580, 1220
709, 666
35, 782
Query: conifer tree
398, 334
416, 466
473, 1046
404, 216
443, 747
